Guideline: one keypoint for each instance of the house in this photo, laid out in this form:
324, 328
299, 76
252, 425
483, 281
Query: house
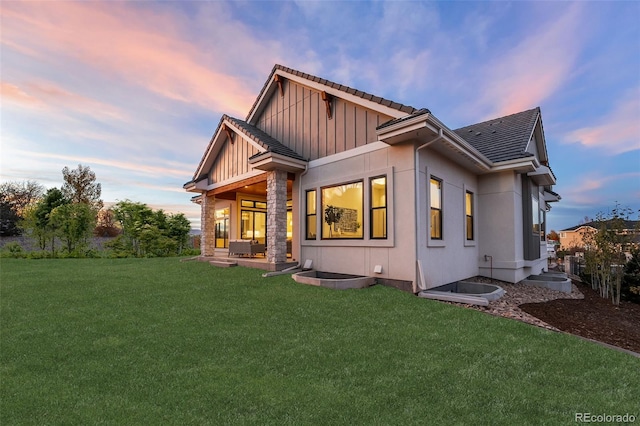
577, 236
355, 182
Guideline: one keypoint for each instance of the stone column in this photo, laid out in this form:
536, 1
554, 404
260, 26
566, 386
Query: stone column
207, 226
277, 216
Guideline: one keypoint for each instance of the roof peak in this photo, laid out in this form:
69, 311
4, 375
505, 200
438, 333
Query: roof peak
491, 121
407, 109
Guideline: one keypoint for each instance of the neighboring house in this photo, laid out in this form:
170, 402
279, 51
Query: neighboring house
351, 181
574, 237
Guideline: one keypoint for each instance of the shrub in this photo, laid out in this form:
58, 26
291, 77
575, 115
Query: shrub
13, 249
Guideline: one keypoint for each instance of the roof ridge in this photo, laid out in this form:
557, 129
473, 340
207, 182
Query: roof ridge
537, 109
341, 87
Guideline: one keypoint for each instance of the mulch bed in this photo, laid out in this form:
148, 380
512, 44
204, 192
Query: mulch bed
592, 317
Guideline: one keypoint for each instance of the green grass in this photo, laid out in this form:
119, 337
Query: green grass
157, 341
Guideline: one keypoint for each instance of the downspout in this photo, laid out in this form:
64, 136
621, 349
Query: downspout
422, 284
306, 170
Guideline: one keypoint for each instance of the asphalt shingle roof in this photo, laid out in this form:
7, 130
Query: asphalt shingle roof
364, 95
504, 138
263, 139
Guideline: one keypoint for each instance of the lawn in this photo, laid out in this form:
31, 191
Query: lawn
158, 341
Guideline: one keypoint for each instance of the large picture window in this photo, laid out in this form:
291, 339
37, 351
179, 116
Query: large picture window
342, 211
311, 215
378, 207
435, 198
468, 206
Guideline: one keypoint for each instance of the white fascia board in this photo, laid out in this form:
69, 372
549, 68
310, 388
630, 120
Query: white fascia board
265, 94
205, 158
543, 176
199, 186
340, 94
364, 149
551, 198
409, 125
271, 160
516, 165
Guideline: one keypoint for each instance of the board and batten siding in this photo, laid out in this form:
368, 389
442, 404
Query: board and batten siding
232, 160
299, 120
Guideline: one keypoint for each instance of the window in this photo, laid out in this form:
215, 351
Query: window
378, 214
311, 215
535, 215
342, 210
435, 191
222, 228
253, 220
468, 207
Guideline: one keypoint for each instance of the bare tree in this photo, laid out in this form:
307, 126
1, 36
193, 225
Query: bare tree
80, 187
15, 198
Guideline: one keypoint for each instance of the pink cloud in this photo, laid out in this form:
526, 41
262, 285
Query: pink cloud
617, 132
175, 170
535, 68
46, 95
12, 93
130, 42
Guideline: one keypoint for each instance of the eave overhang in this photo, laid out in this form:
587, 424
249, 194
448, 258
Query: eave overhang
424, 128
542, 176
199, 186
268, 160
551, 197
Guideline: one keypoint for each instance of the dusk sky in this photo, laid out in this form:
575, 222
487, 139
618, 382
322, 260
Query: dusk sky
135, 90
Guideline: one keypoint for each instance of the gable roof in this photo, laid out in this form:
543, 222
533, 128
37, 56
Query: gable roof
504, 138
263, 139
406, 109
255, 135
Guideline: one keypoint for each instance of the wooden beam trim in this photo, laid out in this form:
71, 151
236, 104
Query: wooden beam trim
327, 98
279, 79
237, 185
229, 132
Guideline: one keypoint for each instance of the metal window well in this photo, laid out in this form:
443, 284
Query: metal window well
465, 292
333, 280
553, 281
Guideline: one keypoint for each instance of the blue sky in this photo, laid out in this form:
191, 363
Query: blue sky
135, 89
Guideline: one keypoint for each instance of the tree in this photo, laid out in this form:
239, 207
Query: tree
15, 198
178, 230
106, 224
37, 218
604, 254
80, 187
149, 233
553, 235
74, 224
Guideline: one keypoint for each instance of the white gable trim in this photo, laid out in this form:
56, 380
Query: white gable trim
268, 92
216, 145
